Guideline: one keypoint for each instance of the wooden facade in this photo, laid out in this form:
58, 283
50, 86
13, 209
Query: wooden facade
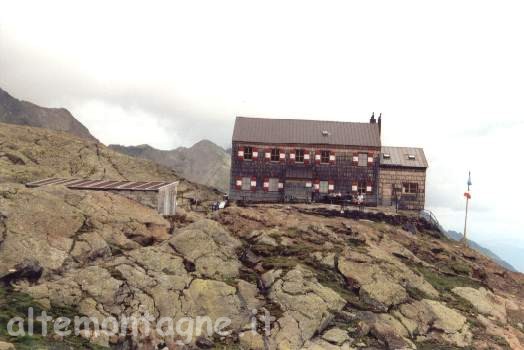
301, 180
272, 161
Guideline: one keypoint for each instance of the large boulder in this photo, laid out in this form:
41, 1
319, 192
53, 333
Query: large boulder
210, 247
297, 291
215, 299
437, 321
382, 280
484, 301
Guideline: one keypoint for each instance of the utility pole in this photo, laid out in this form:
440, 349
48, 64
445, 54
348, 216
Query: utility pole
468, 197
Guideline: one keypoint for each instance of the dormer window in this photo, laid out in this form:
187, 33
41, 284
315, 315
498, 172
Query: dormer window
325, 133
386, 156
411, 157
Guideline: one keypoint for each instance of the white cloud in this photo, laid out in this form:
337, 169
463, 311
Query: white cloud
125, 126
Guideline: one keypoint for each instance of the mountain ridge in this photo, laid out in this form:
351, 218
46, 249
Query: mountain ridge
456, 236
204, 162
20, 112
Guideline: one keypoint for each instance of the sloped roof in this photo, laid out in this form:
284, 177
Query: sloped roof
299, 131
102, 184
399, 156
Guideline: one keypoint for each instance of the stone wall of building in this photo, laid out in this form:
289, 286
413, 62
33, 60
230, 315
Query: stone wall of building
391, 179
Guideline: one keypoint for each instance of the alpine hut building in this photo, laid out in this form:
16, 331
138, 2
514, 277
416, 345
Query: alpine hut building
278, 160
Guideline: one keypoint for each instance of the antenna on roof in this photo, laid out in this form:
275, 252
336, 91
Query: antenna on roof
372, 120
380, 124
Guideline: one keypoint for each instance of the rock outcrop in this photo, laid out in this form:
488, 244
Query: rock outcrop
283, 276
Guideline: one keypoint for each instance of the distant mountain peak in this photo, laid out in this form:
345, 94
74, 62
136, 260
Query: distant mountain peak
15, 111
205, 162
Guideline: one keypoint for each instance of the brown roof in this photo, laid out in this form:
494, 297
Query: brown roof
299, 131
102, 184
400, 156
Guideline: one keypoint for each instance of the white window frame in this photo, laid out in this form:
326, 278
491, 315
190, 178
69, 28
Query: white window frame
362, 159
246, 184
273, 184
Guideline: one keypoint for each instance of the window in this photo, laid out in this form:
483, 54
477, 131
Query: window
363, 159
324, 157
362, 186
410, 188
299, 155
246, 184
248, 152
275, 155
273, 184
324, 187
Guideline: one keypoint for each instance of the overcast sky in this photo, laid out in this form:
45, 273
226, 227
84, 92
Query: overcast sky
447, 76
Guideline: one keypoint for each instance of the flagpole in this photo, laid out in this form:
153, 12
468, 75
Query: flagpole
465, 239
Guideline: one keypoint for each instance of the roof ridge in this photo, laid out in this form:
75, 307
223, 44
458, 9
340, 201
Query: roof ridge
403, 147
306, 120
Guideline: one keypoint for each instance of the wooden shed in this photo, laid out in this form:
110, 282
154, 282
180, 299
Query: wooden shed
158, 195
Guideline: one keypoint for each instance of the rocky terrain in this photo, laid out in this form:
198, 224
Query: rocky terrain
204, 162
14, 111
302, 276
367, 281
28, 154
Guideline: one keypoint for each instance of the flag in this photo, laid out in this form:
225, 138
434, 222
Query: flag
467, 195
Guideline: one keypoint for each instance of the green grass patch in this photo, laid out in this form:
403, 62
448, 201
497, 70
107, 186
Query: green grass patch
444, 282
16, 304
461, 268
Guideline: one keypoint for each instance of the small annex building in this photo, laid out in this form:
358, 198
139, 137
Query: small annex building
402, 177
157, 195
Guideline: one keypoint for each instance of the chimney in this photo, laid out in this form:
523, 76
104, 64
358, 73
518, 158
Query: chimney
380, 124
372, 120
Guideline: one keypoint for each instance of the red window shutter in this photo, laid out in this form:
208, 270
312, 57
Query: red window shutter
370, 159
238, 183
241, 153
369, 187
317, 157
255, 153
253, 183
316, 185
354, 187
331, 157
331, 186
282, 156
267, 154
265, 185
355, 158
292, 155
306, 156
